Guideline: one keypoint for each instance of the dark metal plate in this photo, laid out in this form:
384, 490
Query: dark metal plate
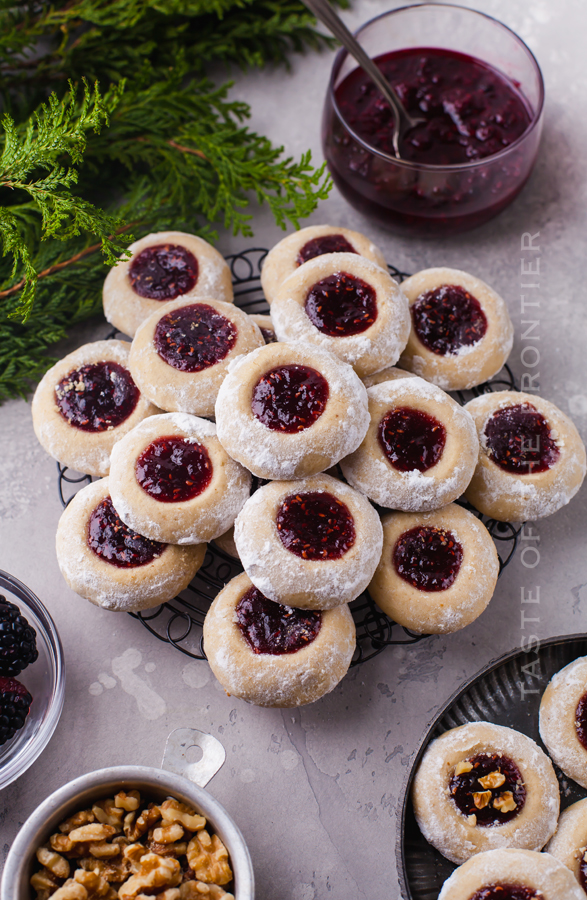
507, 692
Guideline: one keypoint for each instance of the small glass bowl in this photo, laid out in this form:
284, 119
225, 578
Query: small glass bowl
44, 679
419, 199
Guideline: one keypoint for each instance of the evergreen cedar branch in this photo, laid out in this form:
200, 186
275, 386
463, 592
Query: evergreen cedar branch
85, 170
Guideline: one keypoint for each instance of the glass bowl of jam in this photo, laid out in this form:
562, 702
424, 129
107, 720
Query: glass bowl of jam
479, 91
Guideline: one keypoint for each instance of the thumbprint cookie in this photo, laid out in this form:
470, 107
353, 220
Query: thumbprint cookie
569, 844
180, 355
347, 305
85, 403
531, 457
485, 787
173, 481
511, 875
308, 243
437, 571
420, 449
461, 330
312, 543
287, 410
563, 719
163, 267
273, 655
111, 565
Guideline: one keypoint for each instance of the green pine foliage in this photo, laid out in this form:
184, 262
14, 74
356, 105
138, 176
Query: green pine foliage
86, 168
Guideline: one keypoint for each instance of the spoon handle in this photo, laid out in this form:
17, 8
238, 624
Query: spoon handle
326, 14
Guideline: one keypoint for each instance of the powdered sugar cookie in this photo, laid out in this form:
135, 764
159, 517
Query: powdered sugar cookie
347, 305
420, 450
437, 571
485, 787
312, 544
461, 330
287, 410
111, 565
173, 481
563, 719
569, 844
181, 354
273, 655
163, 267
306, 244
511, 875
531, 457
85, 403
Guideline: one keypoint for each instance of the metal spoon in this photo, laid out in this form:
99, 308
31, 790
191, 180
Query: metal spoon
402, 120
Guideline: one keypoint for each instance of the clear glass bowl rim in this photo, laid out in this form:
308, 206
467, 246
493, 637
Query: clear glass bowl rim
429, 167
31, 751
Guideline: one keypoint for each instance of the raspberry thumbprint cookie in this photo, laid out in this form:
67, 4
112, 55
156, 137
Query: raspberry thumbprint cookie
438, 570
287, 410
180, 355
420, 449
308, 243
173, 481
163, 267
347, 305
111, 565
273, 655
531, 457
461, 330
312, 543
87, 402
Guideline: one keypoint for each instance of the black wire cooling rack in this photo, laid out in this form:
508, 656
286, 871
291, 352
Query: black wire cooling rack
179, 622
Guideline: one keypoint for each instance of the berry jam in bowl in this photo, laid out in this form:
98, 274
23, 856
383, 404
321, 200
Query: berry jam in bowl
34, 662
479, 92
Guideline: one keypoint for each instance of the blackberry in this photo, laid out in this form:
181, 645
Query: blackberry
15, 702
18, 645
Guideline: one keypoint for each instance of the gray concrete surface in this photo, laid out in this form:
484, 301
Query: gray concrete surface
315, 790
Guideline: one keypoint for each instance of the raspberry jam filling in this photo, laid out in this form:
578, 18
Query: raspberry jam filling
116, 543
506, 892
315, 525
163, 272
411, 439
270, 627
290, 398
97, 397
194, 337
448, 318
581, 720
327, 243
174, 470
428, 558
470, 110
519, 440
489, 787
341, 305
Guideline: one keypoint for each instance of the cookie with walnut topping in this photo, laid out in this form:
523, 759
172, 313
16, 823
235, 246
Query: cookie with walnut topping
481, 787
